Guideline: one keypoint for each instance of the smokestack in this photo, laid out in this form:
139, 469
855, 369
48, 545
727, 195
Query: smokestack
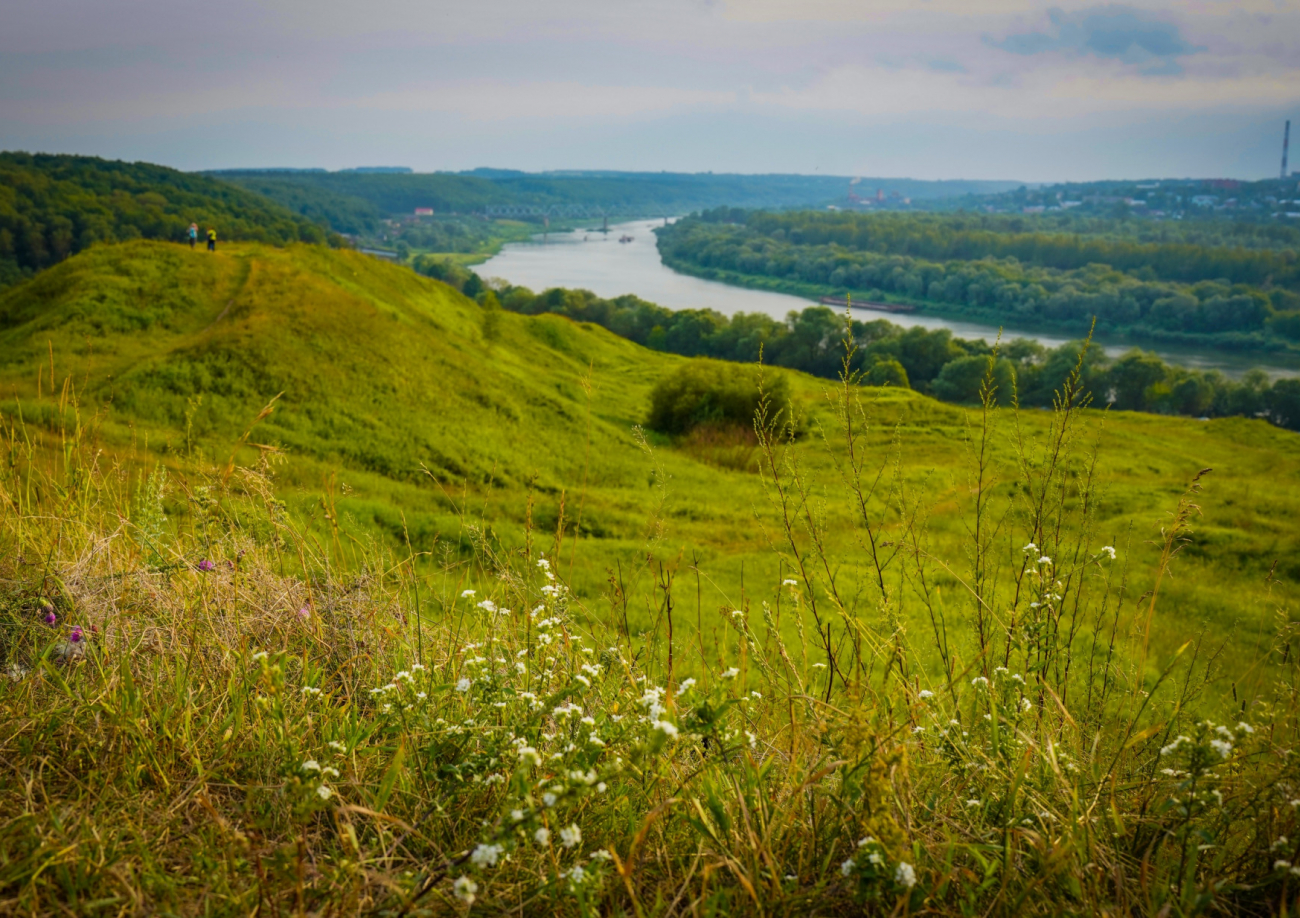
1286, 142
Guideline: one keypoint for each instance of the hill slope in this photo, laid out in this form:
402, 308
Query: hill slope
54, 206
385, 374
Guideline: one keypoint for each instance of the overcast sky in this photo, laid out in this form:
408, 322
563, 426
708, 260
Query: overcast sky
1007, 89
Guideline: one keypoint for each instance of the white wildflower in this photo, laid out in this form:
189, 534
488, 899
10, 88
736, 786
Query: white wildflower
905, 874
668, 729
542, 837
924, 694
486, 855
463, 685
847, 867
731, 673
1109, 551
311, 765
571, 836
465, 888
324, 792
1222, 747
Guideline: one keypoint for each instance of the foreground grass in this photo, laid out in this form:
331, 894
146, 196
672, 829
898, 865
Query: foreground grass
221, 716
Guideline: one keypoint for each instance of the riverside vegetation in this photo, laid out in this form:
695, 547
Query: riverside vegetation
1213, 282
998, 661
933, 362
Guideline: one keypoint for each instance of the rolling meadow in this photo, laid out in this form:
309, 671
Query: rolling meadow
325, 589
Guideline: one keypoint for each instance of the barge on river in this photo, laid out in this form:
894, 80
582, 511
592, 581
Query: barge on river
841, 303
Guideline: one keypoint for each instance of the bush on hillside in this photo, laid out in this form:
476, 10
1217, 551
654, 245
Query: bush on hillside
962, 380
710, 392
886, 372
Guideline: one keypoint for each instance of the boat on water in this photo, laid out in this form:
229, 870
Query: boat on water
842, 302
624, 238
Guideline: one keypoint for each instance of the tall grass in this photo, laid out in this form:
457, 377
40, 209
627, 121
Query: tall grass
220, 713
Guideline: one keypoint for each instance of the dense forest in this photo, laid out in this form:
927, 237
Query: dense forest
932, 362
1001, 269
53, 206
352, 202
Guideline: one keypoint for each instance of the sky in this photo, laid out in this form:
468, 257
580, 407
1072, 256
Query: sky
992, 89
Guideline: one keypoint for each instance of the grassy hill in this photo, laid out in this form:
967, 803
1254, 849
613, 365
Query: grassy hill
53, 206
428, 411
230, 689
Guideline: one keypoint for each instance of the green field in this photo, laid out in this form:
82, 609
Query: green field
419, 445
395, 388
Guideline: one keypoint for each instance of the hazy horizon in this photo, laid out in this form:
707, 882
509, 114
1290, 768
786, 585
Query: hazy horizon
1012, 90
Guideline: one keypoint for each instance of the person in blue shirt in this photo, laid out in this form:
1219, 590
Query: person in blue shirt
194, 234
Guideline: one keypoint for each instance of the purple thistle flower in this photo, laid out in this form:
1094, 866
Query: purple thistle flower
206, 565
76, 636
50, 617
304, 613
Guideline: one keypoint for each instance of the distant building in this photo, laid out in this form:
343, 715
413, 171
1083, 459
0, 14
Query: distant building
1205, 200
424, 211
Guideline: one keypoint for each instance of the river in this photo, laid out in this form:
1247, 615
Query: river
598, 262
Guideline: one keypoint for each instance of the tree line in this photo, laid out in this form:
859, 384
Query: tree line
972, 270
932, 362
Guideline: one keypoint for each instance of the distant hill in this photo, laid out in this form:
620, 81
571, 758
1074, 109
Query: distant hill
352, 201
53, 206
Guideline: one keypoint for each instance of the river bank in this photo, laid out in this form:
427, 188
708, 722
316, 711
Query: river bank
597, 261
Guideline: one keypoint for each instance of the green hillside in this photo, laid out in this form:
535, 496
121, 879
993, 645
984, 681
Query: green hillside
898, 657
54, 206
426, 408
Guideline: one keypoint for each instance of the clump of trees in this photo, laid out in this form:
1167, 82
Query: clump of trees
1172, 291
932, 362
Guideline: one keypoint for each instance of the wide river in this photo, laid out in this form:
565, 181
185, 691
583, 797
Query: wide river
600, 263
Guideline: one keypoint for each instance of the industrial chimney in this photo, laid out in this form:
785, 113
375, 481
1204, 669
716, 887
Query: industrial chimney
1286, 142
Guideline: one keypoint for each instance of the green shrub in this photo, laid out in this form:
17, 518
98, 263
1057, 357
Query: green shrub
961, 379
715, 393
886, 372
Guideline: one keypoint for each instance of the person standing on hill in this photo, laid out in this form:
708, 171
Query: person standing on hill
212, 240
194, 234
